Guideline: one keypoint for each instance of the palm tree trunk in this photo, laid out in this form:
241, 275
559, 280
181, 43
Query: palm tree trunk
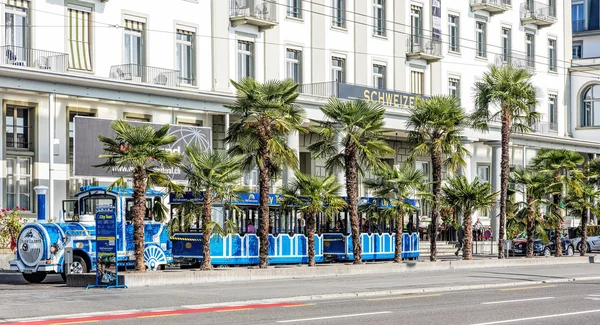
399, 229
504, 174
436, 170
584, 221
264, 184
530, 229
468, 240
352, 192
556, 199
310, 233
139, 211
206, 220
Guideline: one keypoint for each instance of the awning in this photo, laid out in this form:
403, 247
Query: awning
134, 25
79, 40
17, 3
185, 32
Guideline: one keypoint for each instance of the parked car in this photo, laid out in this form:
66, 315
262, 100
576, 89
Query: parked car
519, 244
593, 244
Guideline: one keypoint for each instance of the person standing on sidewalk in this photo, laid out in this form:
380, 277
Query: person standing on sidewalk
461, 239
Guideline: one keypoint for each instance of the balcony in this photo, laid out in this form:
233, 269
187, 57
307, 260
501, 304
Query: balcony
517, 60
418, 47
491, 6
547, 128
538, 13
32, 58
145, 75
578, 26
253, 12
320, 89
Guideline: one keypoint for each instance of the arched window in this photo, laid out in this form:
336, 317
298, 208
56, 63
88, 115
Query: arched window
590, 108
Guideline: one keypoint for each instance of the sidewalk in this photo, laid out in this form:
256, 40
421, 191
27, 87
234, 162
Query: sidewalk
239, 274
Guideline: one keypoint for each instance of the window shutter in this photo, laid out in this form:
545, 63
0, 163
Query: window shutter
79, 40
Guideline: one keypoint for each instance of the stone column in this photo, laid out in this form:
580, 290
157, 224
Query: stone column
495, 178
226, 129
293, 141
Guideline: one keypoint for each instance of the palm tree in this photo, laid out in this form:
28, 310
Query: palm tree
357, 128
467, 198
582, 195
534, 189
214, 176
139, 148
505, 93
397, 185
437, 124
559, 163
265, 114
313, 196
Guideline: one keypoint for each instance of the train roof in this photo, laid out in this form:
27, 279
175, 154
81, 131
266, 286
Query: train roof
128, 191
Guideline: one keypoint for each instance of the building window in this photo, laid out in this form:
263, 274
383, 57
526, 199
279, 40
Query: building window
18, 182
379, 76
379, 17
577, 50
337, 70
590, 110
244, 58
293, 67
339, 13
294, 8
481, 35
18, 128
185, 56
16, 29
454, 87
134, 117
416, 27
530, 49
577, 17
134, 45
218, 132
552, 55
416, 82
189, 122
453, 28
553, 112
79, 40
483, 172
506, 44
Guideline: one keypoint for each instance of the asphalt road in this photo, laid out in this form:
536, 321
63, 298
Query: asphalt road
535, 303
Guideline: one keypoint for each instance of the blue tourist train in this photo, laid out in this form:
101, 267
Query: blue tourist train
287, 241
41, 245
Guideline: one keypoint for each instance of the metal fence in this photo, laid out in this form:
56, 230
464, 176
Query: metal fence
517, 60
320, 89
493, 2
264, 10
420, 44
548, 128
537, 10
32, 58
578, 25
145, 74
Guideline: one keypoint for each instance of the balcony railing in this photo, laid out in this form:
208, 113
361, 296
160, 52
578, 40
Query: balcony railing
548, 128
259, 13
538, 13
517, 60
320, 89
144, 74
492, 6
423, 48
32, 58
578, 26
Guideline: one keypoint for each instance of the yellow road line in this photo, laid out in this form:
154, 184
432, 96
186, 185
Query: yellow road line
405, 297
527, 288
76, 322
236, 309
161, 315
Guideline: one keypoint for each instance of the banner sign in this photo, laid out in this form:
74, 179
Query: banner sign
243, 199
436, 11
383, 203
106, 246
385, 97
87, 148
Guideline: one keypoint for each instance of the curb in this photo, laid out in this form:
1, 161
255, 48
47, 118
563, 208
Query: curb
334, 296
230, 275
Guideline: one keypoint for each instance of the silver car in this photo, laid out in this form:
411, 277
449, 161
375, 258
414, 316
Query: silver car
593, 244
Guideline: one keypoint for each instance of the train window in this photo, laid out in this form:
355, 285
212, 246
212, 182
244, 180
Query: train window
89, 203
70, 208
129, 209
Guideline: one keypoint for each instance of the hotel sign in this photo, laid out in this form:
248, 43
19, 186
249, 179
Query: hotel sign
384, 97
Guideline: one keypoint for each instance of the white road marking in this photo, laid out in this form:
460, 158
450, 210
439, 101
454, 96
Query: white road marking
540, 317
332, 317
517, 300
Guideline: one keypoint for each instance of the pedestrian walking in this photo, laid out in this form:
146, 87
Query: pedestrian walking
461, 239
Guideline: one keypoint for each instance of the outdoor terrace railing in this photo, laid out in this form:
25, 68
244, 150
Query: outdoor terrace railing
263, 10
32, 58
145, 74
421, 44
578, 25
537, 10
548, 128
320, 89
518, 60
